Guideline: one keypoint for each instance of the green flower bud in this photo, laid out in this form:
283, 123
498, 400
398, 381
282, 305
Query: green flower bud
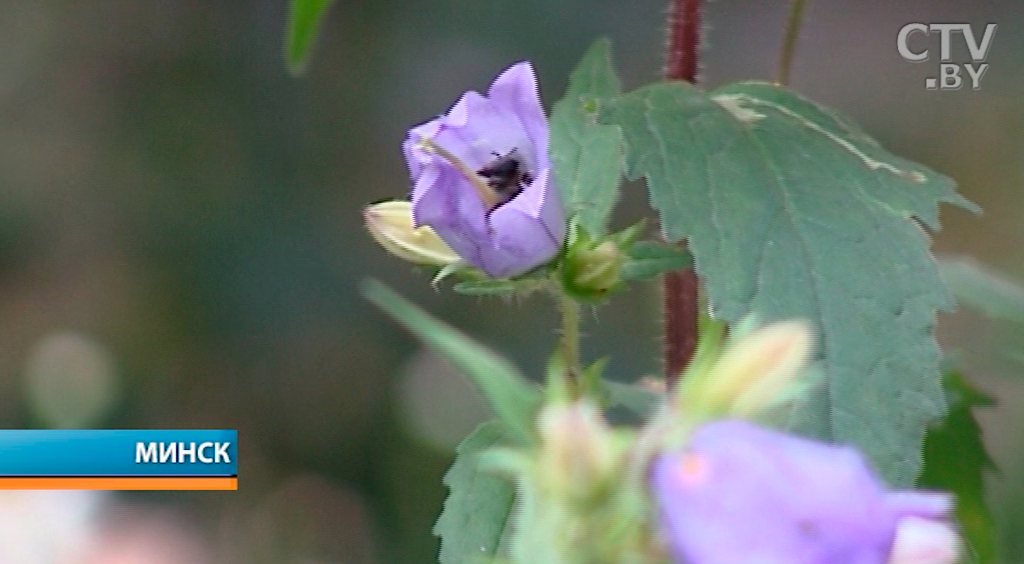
591, 273
391, 225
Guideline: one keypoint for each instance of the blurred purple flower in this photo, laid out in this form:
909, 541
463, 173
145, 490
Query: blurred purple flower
482, 177
744, 494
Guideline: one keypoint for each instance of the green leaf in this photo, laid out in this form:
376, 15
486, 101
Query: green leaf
648, 259
625, 238
303, 24
790, 211
983, 289
512, 398
499, 287
476, 512
590, 379
956, 461
634, 397
1017, 356
587, 156
446, 271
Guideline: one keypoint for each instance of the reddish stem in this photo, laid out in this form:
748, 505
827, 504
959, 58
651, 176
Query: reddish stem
680, 306
683, 40
679, 301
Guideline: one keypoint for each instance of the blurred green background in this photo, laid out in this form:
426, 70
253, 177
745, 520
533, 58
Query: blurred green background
181, 244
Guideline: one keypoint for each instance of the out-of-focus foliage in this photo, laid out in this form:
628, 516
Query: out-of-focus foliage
955, 460
513, 399
303, 25
979, 287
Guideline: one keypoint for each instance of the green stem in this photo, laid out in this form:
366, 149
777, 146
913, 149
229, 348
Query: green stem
796, 18
570, 309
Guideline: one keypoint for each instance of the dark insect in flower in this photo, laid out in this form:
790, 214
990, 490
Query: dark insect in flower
505, 175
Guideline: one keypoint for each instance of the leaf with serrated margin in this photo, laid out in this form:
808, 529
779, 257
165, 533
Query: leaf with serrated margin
511, 396
790, 211
955, 460
476, 512
587, 156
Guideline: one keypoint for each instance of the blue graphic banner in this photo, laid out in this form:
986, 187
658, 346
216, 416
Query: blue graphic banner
118, 453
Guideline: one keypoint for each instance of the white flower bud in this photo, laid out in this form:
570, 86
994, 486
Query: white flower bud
578, 452
754, 374
390, 223
924, 541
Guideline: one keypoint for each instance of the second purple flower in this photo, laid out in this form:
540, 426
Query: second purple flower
744, 494
482, 177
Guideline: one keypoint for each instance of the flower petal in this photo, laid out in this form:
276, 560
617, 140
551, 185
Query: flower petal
746, 494
516, 91
519, 243
476, 129
541, 201
933, 505
415, 157
443, 199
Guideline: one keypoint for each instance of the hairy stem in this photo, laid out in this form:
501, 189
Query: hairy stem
684, 27
571, 339
679, 288
796, 18
679, 303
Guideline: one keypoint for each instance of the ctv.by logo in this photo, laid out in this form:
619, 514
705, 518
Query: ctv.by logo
949, 73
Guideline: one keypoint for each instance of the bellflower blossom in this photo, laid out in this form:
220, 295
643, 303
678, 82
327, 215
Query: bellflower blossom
741, 493
482, 178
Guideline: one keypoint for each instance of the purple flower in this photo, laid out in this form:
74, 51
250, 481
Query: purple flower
482, 177
744, 494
